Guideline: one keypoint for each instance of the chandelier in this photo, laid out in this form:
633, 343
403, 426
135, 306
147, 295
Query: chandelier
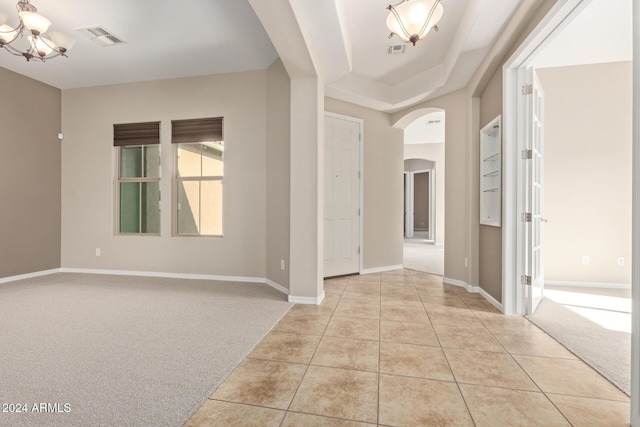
32, 27
411, 20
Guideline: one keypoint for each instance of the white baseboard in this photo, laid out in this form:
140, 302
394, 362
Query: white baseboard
588, 284
307, 300
494, 302
277, 286
166, 275
271, 283
381, 269
474, 290
455, 282
29, 275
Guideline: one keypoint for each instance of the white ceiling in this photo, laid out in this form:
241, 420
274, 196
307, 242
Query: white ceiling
172, 39
602, 32
164, 39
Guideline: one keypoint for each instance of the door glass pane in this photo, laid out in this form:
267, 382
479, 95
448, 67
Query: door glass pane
189, 160
211, 222
129, 207
188, 207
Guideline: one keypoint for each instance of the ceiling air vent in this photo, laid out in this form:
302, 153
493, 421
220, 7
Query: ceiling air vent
433, 122
100, 36
395, 49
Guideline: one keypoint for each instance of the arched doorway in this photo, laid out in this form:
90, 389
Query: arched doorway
424, 168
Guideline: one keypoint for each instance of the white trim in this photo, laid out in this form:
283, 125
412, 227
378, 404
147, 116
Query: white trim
381, 269
242, 279
491, 299
455, 282
307, 300
474, 290
588, 284
29, 275
361, 201
165, 274
513, 263
276, 286
635, 258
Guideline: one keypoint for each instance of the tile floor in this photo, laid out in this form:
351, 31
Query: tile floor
401, 348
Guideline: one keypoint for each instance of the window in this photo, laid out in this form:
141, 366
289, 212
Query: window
138, 187
199, 176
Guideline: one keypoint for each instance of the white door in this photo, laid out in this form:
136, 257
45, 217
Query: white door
341, 196
535, 192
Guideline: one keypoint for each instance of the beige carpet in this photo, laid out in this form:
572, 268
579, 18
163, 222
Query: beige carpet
423, 256
124, 351
596, 328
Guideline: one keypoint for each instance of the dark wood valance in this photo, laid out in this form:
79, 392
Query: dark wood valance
196, 130
136, 134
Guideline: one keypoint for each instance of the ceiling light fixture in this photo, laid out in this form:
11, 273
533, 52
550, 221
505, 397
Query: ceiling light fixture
32, 26
411, 20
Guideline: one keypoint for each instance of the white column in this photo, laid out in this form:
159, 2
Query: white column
307, 192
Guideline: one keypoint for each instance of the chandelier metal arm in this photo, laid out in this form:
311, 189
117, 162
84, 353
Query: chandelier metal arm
37, 42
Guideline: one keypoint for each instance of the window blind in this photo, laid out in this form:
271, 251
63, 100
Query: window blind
196, 130
136, 134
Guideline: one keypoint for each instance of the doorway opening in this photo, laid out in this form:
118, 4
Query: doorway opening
544, 205
424, 193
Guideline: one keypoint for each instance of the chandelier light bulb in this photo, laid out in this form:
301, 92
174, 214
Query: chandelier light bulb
3, 18
411, 20
7, 34
35, 22
63, 41
41, 45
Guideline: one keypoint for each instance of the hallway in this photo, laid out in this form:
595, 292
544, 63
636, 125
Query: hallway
402, 348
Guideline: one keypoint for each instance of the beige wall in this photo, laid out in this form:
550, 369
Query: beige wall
29, 175
435, 153
383, 184
278, 181
587, 199
490, 238
88, 173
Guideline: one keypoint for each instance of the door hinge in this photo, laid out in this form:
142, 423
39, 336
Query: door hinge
358, 211
358, 249
525, 217
527, 89
359, 174
525, 280
527, 154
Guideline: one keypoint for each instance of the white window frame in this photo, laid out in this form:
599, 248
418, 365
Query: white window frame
120, 180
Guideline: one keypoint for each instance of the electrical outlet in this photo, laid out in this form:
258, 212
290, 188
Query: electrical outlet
282, 264
620, 260
98, 253
585, 260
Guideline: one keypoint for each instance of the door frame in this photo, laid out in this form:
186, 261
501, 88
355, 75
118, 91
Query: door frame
513, 176
408, 204
409, 196
514, 179
360, 123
